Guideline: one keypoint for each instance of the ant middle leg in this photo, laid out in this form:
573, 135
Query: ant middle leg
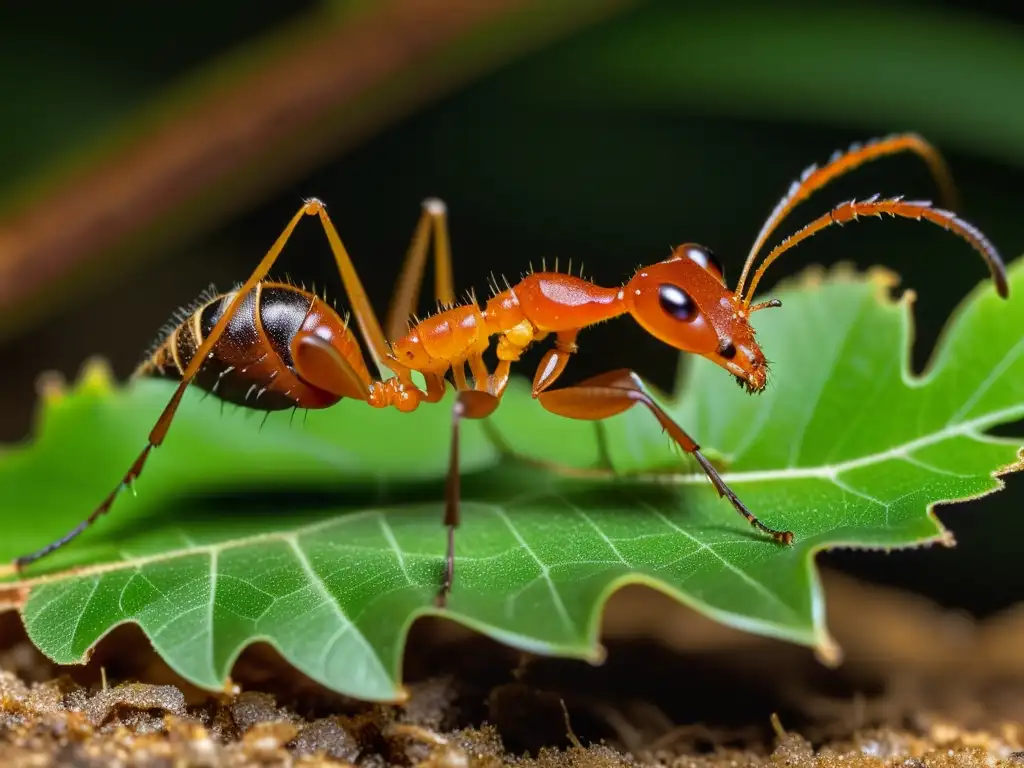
469, 404
608, 394
477, 403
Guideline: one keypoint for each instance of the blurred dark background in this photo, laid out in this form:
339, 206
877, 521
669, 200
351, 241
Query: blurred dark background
606, 132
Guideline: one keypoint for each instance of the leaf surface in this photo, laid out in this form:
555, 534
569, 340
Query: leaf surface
323, 536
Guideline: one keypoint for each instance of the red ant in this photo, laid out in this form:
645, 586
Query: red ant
291, 349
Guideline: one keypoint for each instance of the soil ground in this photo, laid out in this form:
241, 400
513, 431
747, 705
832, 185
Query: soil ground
918, 686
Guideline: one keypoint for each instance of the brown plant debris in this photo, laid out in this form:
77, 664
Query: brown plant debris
925, 689
253, 121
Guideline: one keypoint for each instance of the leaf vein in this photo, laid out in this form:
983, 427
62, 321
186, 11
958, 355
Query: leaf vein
544, 570
211, 611
837, 349
829, 471
1008, 359
81, 614
729, 565
601, 534
321, 586
389, 534
911, 459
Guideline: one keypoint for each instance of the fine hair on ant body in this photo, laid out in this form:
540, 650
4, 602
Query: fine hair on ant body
293, 350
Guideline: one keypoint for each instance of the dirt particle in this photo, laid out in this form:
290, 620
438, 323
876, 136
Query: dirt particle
136, 704
431, 704
327, 736
192, 741
266, 741
252, 708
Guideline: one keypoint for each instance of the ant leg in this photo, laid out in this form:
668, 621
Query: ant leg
159, 431
554, 361
484, 380
403, 302
369, 325
814, 178
459, 375
469, 404
481, 376
477, 403
611, 393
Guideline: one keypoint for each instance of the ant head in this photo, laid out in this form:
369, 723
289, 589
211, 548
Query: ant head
685, 303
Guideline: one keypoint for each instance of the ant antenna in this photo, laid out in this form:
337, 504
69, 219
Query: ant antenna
896, 207
771, 303
814, 178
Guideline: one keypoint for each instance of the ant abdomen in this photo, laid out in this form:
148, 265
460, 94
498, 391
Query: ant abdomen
251, 364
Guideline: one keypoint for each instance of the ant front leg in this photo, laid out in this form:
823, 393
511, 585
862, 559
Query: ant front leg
554, 361
469, 404
612, 393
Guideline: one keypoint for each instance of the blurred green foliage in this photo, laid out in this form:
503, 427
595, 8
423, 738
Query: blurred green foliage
74, 77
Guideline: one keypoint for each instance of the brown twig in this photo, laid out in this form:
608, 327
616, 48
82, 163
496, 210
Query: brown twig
219, 144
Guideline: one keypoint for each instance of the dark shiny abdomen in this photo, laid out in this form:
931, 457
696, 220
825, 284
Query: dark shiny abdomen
251, 363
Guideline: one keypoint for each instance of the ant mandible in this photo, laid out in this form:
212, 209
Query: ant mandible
291, 349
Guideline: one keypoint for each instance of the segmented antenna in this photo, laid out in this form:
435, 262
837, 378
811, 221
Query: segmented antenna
918, 210
814, 178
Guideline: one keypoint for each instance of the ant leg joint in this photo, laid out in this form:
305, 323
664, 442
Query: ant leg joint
435, 206
313, 205
458, 409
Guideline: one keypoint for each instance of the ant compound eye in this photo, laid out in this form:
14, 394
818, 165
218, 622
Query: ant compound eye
727, 350
705, 258
677, 303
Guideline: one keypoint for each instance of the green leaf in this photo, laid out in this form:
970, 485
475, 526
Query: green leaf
323, 536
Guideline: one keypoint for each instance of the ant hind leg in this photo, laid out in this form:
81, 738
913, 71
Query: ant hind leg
159, 431
433, 219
